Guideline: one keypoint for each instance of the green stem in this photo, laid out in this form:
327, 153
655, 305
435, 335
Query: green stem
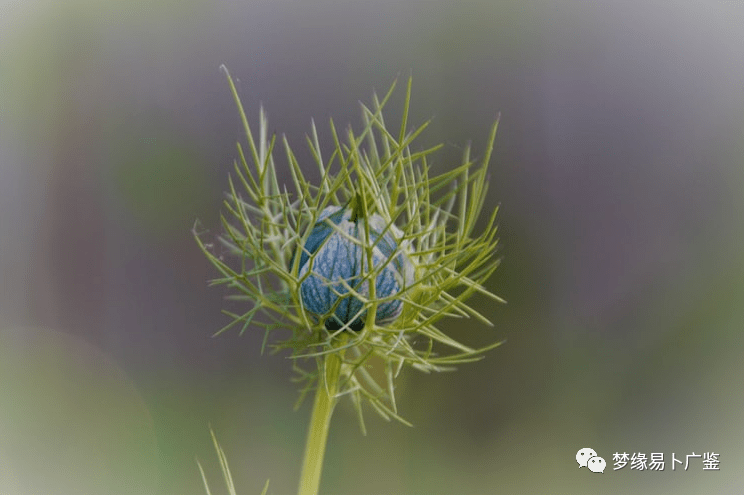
320, 421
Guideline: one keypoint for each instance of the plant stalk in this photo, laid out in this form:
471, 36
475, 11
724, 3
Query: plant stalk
320, 421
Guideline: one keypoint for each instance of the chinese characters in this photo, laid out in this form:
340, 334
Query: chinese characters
708, 461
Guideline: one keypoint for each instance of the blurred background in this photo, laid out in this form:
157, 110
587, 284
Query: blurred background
619, 168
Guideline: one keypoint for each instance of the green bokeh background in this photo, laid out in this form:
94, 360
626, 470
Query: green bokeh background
619, 169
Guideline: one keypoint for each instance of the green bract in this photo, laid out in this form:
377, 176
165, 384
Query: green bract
386, 249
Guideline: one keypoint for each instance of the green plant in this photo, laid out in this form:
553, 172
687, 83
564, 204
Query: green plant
358, 265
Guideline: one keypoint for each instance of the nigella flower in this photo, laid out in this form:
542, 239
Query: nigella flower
336, 284
363, 264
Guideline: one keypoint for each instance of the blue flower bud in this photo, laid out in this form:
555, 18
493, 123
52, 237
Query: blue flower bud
339, 258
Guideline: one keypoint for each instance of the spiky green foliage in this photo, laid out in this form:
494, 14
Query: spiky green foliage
375, 171
226, 475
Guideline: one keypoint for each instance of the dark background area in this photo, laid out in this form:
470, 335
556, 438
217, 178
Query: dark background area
619, 167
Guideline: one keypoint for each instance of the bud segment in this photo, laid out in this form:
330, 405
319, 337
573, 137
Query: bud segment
340, 263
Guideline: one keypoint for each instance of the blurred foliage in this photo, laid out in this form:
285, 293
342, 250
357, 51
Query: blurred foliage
162, 184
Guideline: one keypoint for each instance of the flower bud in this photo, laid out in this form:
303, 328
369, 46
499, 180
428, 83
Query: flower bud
341, 262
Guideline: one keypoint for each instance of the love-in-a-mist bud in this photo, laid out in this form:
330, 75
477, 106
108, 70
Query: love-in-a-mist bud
341, 262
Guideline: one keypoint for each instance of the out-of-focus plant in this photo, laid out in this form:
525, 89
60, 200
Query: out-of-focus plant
360, 267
